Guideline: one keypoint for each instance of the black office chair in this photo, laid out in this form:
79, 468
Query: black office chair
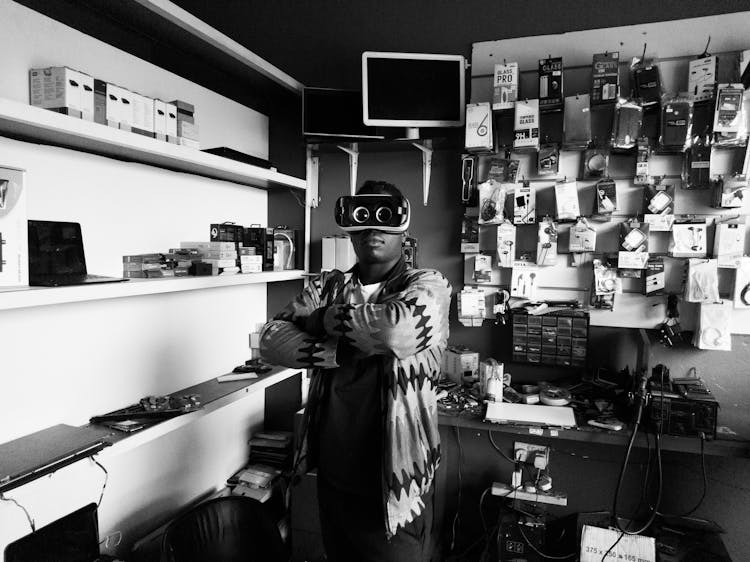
225, 529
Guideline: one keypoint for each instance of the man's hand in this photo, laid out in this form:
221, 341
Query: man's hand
314, 323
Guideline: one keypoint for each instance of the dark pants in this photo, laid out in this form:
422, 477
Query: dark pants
354, 529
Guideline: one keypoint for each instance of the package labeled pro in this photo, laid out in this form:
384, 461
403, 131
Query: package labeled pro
605, 78
551, 84
505, 86
526, 125
478, 127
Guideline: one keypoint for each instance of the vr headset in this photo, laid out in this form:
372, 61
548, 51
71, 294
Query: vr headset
386, 213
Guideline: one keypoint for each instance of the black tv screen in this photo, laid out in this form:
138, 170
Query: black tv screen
330, 113
413, 90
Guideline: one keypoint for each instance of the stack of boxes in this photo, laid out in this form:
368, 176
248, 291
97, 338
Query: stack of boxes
79, 95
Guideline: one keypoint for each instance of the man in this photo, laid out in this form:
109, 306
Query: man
375, 337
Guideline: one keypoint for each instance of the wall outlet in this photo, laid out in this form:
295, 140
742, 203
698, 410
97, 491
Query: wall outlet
527, 452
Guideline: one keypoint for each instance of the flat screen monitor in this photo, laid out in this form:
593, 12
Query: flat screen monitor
413, 90
330, 114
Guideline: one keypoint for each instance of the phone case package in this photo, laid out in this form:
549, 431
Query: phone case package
676, 122
729, 122
626, 124
577, 122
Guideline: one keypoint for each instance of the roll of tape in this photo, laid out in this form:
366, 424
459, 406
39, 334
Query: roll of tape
554, 396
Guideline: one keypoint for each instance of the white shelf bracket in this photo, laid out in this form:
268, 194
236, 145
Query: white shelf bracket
426, 149
353, 151
313, 171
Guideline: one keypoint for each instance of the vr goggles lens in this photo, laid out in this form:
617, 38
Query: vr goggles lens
378, 212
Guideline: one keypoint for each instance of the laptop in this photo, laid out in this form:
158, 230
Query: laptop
72, 538
56, 256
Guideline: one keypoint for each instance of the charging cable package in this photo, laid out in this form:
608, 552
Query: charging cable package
546, 247
714, 327
492, 202
577, 122
742, 284
506, 244
605, 198
729, 193
566, 201
524, 204
702, 282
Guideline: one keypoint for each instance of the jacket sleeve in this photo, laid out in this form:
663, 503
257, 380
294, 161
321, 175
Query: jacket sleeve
282, 342
407, 322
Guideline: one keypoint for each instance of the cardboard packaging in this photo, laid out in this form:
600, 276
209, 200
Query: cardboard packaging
113, 106
187, 130
14, 254
100, 101
171, 123
526, 125
328, 259
143, 115
57, 88
505, 86
478, 127
260, 238
125, 108
550, 84
524, 205
460, 364
87, 96
160, 120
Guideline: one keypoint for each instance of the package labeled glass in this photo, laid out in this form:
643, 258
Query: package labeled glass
566, 201
506, 244
654, 279
482, 268
633, 249
469, 189
470, 235
729, 243
714, 330
546, 247
658, 205
688, 238
505, 86
524, 280
582, 237
548, 159
729, 193
729, 123
696, 165
702, 77
492, 202
645, 80
605, 196
550, 84
642, 176
626, 124
478, 137
524, 204
526, 125
675, 123
577, 122
605, 78
595, 162
742, 284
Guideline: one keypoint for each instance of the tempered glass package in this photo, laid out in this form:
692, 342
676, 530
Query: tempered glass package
626, 124
577, 123
605, 83
505, 86
526, 125
550, 84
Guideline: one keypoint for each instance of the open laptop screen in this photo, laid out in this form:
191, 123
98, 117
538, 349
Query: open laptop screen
72, 538
55, 248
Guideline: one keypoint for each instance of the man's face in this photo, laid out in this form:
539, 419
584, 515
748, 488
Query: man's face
375, 246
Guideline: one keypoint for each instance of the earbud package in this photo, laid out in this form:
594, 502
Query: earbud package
688, 239
605, 197
582, 237
506, 244
566, 201
676, 121
714, 330
742, 284
524, 204
526, 125
658, 206
702, 283
524, 281
546, 248
595, 163
577, 122
729, 243
626, 124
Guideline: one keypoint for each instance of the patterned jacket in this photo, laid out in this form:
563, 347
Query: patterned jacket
404, 333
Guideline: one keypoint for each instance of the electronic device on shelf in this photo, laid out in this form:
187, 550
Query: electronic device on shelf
332, 114
413, 90
153, 408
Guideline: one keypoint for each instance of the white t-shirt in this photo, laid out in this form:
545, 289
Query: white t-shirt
369, 292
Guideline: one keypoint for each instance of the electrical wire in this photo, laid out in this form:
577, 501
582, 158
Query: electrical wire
705, 477
106, 479
458, 506
622, 534
539, 552
498, 449
26, 512
481, 513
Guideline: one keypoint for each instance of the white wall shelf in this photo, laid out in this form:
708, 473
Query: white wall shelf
42, 125
41, 296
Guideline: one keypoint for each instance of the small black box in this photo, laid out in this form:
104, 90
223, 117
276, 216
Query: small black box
260, 238
227, 232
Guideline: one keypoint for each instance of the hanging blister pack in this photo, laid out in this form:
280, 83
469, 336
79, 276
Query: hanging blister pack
492, 202
550, 84
633, 250
605, 197
676, 122
469, 190
506, 244
524, 204
582, 237
595, 163
546, 247
606, 285
645, 81
626, 124
742, 284
729, 193
505, 86
482, 268
702, 75
526, 125
642, 176
548, 159
605, 78
470, 235
702, 281
696, 165
729, 122
566, 201
654, 279
524, 280
577, 123
658, 205
714, 327
688, 238
729, 243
